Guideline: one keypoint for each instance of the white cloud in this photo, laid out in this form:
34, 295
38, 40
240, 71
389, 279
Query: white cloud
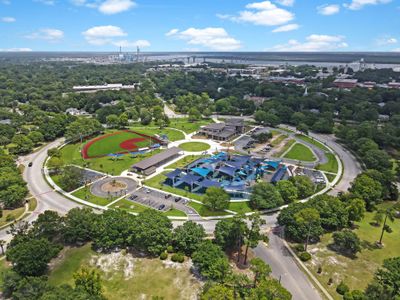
314, 43
396, 50
285, 28
213, 38
133, 44
110, 7
6, 2
48, 34
359, 4
286, 2
172, 32
47, 2
101, 35
16, 50
262, 13
328, 9
8, 19
386, 41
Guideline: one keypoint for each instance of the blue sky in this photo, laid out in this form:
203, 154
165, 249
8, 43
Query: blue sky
204, 25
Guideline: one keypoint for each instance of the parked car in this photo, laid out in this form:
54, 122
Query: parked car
161, 207
178, 199
30, 164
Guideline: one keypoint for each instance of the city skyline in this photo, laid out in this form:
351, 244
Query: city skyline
281, 25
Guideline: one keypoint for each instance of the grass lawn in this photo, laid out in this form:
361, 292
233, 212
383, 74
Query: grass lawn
300, 152
312, 141
157, 183
188, 127
71, 154
11, 215
185, 161
330, 177
194, 146
358, 272
128, 277
279, 139
129, 206
85, 194
331, 166
240, 207
285, 148
173, 135
205, 212
175, 213
32, 204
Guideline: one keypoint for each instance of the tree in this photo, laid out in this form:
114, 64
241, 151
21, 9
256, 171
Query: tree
71, 178
368, 189
55, 163
194, 114
31, 288
385, 215
385, 284
229, 233
304, 185
152, 232
123, 120
22, 144
303, 128
2, 244
347, 241
211, 261
356, 210
188, 236
270, 289
81, 128
112, 121
79, 226
287, 190
31, 256
216, 198
36, 137
90, 281
265, 196
48, 225
252, 233
217, 292
260, 270
307, 217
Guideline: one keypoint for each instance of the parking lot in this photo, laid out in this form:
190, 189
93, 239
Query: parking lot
160, 200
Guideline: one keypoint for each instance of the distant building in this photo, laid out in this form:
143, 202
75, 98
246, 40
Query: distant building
256, 100
383, 118
367, 84
394, 85
345, 83
105, 87
148, 166
223, 131
76, 112
5, 122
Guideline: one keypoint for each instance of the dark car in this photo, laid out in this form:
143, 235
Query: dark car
161, 207
178, 199
30, 164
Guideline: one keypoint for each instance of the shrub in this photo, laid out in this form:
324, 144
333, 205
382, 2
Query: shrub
305, 256
299, 248
170, 249
342, 288
265, 238
178, 257
163, 256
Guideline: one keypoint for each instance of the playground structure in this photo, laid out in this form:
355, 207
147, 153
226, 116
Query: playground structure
233, 173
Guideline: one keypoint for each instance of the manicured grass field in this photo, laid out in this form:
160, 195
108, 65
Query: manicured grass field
85, 194
186, 126
11, 215
312, 141
194, 146
157, 183
71, 154
185, 161
175, 213
205, 212
284, 148
240, 207
300, 152
279, 139
149, 278
129, 206
331, 166
357, 272
111, 143
173, 135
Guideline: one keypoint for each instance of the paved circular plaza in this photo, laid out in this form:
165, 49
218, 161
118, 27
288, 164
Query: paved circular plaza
113, 186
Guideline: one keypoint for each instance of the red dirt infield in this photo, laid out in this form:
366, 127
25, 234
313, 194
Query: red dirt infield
131, 144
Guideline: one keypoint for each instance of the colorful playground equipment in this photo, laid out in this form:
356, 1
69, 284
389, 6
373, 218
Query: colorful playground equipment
234, 173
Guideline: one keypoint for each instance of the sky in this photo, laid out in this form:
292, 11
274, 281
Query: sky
202, 25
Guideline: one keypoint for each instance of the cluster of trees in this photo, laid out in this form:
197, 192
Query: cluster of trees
12, 186
267, 196
32, 248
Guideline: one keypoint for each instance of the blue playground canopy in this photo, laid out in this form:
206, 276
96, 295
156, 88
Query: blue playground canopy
174, 174
208, 183
201, 171
228, 170
115, 155
278, 175
190, 179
